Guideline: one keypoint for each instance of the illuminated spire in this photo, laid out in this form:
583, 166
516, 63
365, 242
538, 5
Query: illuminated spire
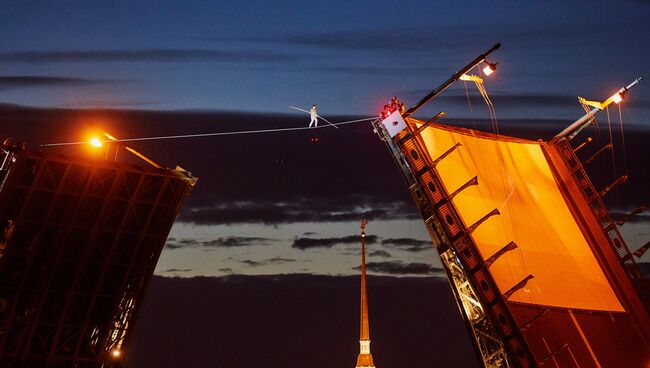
364, 360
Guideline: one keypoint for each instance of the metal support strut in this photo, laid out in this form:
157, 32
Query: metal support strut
479, 59
586, 119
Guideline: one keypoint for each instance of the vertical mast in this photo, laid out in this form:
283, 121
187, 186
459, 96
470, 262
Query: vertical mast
364, 360
365, 327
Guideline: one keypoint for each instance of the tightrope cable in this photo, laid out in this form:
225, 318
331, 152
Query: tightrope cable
199, 135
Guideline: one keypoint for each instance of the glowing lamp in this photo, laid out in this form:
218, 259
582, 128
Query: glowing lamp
116, 353
489, 68
617, 97
95, 142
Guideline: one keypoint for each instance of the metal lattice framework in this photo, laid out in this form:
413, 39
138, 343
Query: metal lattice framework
596, 205
507, 333
80, 241
434, 204
586, 305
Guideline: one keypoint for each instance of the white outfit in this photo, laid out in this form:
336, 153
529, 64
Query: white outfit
314, 117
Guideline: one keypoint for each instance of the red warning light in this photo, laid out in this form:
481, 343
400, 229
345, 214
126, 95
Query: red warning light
386, 112
394, 105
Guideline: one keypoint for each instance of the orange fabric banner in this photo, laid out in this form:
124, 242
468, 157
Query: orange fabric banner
515, 178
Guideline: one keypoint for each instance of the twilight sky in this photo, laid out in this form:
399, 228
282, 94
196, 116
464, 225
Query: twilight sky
280, 204
346, 56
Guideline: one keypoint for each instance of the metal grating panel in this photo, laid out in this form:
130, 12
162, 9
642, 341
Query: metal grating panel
80, 242
507, 332
475, 288
600, 212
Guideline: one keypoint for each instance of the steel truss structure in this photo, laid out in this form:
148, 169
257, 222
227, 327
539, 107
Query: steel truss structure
79, 241
425, 188
513, 334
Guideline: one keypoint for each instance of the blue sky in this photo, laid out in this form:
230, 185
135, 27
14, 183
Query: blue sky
347, 57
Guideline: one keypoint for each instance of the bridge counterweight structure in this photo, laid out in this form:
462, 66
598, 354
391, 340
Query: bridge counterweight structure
80, 240
516, 312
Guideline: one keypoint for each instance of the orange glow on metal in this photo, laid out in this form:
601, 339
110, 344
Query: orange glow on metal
471, 78
107, 135
515, 178
135, 152
95, 142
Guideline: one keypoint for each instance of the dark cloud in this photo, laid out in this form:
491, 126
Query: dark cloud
177, 270
36, 81
379, 253
442, 44
225, 270
236, 241
111, 103
251, 263
173, 245
401, 268
407, 244
181, 243
227, 241
345, 208
266, 262
306, 243
520, 100
142, 55
413, 39
428, 39
376, 70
